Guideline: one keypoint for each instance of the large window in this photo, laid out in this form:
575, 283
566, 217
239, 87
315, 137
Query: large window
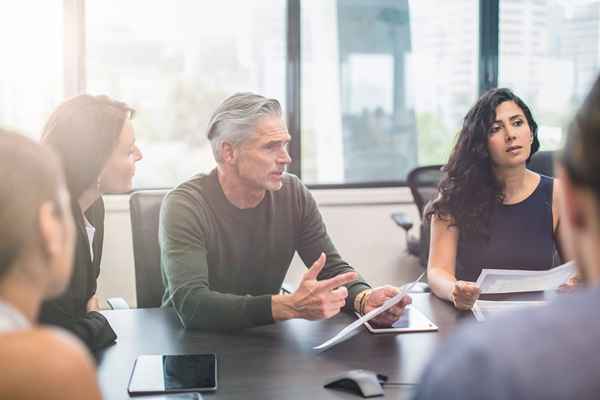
550, 56
383, 88
385, 85
174, 62
31, 66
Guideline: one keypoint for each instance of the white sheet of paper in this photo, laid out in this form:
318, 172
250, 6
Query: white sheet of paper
344, 333
513, 281
484, 309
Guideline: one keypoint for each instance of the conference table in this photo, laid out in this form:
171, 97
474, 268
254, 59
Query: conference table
277, 361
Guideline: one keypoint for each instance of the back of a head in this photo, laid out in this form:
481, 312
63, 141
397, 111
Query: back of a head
30, 175
84, 131
35, 363
581, 155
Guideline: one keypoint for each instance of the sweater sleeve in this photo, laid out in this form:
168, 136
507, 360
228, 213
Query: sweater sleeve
314, 239
183, 235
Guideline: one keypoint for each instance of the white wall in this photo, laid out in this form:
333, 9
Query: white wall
358, 220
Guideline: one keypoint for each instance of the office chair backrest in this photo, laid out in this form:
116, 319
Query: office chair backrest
144, 208
542, 162
423, 183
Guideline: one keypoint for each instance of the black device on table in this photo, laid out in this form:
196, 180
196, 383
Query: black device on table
359, 381
154, 374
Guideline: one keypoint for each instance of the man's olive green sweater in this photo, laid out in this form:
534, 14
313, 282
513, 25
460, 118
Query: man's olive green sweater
221, 264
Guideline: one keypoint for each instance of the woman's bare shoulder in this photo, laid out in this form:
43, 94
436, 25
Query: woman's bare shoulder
45, 363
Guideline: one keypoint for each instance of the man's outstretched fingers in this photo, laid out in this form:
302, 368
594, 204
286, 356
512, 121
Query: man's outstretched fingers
316, 268
337, 281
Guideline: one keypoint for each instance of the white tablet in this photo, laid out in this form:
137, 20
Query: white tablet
154, 374
412, 320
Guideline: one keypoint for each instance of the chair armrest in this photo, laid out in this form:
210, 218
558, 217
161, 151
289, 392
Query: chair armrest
402, 220
117, 303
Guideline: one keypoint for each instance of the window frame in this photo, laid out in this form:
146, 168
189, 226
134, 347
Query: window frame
74, 47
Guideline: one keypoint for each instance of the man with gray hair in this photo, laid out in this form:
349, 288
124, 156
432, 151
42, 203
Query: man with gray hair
227, 238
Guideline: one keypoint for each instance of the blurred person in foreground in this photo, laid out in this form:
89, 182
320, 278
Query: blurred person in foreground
36, 254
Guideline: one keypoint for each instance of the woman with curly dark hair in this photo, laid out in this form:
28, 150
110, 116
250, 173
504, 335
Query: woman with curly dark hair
491, 211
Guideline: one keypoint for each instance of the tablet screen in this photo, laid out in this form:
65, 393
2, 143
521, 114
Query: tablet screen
411, 320
174, 373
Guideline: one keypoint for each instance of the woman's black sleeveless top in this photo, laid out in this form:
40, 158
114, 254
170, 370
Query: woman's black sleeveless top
521, 237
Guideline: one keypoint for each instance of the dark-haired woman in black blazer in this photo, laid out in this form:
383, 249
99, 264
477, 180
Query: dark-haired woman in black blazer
94, 138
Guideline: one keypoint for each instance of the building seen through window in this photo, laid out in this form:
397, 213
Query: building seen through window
549, 55
174, 62
385, 84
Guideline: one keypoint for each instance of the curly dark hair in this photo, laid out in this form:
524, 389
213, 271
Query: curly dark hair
469, 189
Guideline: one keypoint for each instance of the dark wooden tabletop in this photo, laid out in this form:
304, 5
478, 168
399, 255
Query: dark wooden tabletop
276, 361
